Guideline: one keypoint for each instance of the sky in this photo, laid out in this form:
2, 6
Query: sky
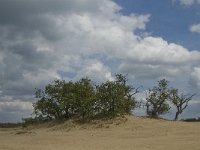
41, 41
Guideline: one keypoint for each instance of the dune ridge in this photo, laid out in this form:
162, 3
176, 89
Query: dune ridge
127, 133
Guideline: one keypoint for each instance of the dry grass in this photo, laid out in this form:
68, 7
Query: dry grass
130, 133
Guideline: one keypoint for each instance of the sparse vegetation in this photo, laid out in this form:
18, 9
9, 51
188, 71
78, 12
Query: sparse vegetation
10, 125
85, 101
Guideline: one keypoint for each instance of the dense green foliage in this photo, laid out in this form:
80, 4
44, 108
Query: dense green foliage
84, 100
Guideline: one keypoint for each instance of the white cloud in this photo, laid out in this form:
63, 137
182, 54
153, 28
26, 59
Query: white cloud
16, 106
154, 50
189, 2
195, 77
13, 110
96, 71
195, 28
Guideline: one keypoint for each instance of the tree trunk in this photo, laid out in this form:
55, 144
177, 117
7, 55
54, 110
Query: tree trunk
176, 116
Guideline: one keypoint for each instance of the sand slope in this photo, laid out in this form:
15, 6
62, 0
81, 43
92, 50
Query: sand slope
130, 133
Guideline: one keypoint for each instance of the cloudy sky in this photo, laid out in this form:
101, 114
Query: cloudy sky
69, 39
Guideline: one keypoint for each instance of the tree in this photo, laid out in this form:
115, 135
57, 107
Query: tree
157, 100
115, 97
128, 91
180, 101
50, 101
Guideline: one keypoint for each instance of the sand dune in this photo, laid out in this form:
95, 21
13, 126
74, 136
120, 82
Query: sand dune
130, 133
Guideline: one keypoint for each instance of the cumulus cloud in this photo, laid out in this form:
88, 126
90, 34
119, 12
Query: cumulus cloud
195, 28
155, 58
69, 39
96, 71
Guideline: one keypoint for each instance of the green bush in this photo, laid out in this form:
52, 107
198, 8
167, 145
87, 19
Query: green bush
84, 100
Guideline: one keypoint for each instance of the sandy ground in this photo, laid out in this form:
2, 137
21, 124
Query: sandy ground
132, 133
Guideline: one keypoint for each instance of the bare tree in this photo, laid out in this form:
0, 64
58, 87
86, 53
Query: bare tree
180, 101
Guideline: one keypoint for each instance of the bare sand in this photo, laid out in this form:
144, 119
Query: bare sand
130, 133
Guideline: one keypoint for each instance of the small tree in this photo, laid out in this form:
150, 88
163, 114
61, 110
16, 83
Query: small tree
180, 101
128, 93
49, 103
115, 97
157, 100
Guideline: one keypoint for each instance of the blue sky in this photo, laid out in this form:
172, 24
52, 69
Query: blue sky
41, 41
169, 19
